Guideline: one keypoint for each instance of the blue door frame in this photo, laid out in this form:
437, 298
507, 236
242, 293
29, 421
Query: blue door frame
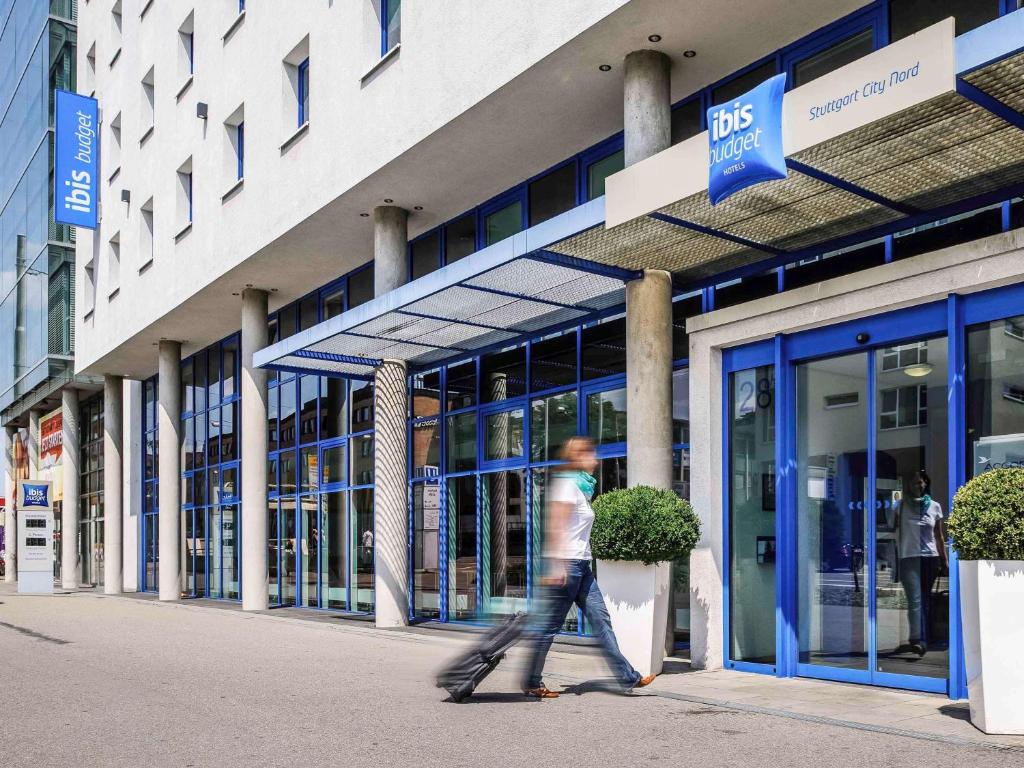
948, 318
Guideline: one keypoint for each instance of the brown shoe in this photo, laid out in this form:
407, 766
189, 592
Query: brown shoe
643, 682
540, 693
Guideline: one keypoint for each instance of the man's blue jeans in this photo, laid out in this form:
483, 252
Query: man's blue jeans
580, 588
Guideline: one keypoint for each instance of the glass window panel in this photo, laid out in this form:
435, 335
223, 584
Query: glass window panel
286, 460
503, 435
273, 396
426, 448
425, 255
216, 531
462, 547
681, 310
335, 468
229, 483
333, 303
212, 418
460, 238
362, 405
606, 416
188, 444
308, 413
289, 573
552, 194
681, 472
461, 442
504, 514
503, 375
199, 454
611, 474
274, 553
835, 56
363, 545
229, 552
199, 368
308, 554
553, 362
995, 395
286, 322
228, 433
426, 509
309, 470
273, 488
686, 120
333, 416
286, 394
213, 378
188, 398
213, 479
740, 85
361, 449
553, 420
426, 394
604, 349
681, 406
230, 355
503, 223
308, 312
360, 287
334, 558
911, 580
909, 16
600, 170
752, 515
461, 392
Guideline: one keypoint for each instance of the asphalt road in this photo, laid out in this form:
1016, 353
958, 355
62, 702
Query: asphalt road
93, 681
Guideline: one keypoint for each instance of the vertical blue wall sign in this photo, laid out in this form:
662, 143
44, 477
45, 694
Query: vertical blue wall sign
745, 140
76, 160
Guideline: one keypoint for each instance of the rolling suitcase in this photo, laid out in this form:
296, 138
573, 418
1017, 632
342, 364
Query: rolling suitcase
464, 674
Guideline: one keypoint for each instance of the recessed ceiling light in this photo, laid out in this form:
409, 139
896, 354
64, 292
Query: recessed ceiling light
417, 207
364, 215
388, 200
605, 67
654, 38
235, 293
689, 54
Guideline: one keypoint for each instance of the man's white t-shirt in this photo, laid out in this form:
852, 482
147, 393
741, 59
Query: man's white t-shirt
575, 538
917, 529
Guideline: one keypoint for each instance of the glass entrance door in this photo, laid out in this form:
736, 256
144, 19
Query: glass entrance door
870, 497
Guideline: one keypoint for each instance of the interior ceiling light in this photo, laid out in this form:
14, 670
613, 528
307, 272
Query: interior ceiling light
654, 38
605, 67
388, 200
919, 370
364, 215
417, 207
689, 54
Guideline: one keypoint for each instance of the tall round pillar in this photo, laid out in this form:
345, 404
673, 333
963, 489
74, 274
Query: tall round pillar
391, 495
255, 576
647, 105
169, 463
69, 518
390, 246
10, 520
113, 440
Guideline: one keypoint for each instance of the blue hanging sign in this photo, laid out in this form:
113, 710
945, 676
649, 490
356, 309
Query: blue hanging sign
35, 495
76, 160
745, 140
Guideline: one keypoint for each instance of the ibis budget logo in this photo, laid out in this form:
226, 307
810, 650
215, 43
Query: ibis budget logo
36, 496
76, 160
745, 140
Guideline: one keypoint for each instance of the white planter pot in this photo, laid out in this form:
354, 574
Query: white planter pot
992, 604
637, 598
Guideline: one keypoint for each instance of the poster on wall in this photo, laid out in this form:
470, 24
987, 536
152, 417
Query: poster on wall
51, 451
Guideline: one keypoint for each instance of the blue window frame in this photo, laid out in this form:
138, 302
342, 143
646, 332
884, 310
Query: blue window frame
303, 78
149, 535
240, 148
390, 24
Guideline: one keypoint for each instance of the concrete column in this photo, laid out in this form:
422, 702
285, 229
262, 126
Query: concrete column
390, 243
647, 105
391, 495
255, 577
10, 520
649, 380
113, 490
131, 484
69, 522
169, 463
34, 439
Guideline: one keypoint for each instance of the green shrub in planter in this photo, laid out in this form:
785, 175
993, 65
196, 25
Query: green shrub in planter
988, 517
645, 524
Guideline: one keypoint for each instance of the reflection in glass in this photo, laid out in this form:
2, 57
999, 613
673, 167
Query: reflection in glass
426, 448
552, 421
832, 501
363, 547
333, 418
216, 531
426, 394
362, 406
503, 375
462, 536
309, 472
272, 409
752, 515
426, 506
503, 532
334, 558
461, 442
606, 416
309, 552
835, 56
460, 238
274, 553
603, 349
361, 449
503, 223
503, 435
601, 170
681, 407
287, 407
334, 465
553, 362
229, 552
995, 395
911, 580
308, 415
289, 559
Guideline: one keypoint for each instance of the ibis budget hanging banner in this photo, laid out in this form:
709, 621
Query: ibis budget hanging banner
76, 160
745, 140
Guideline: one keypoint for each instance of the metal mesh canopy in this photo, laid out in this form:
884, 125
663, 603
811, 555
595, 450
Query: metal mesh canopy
961, 150
490, 299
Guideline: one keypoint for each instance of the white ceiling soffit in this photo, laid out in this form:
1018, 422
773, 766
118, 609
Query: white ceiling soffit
951, 141
490, 299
